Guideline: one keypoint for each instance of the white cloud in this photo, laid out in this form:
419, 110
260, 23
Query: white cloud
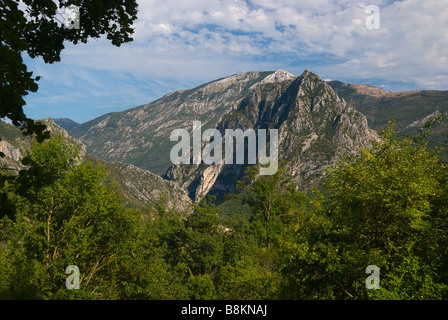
183, 43
410, 46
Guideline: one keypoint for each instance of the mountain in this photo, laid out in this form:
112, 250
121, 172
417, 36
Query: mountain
139, 187
13, 145
380, 106
316, 128
318, 122
141, 136
409, 109
66, 123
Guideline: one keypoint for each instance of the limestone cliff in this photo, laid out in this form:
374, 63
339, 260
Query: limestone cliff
315, 127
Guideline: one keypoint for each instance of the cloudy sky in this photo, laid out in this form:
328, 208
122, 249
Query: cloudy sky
182, 44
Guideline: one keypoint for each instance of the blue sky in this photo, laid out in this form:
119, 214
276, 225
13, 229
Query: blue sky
182, 44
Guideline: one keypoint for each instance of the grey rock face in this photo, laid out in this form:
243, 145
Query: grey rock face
139, 187
316, 128
10, 152
141, 136
66, 123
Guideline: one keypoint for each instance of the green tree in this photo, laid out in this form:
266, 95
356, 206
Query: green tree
251, 265
201, 287
310, 257
74, 218
34, 28
202, 239
385, 202
143, 270
248, 279
385, 208
274, 200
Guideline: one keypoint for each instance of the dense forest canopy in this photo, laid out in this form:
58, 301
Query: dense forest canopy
376, 228
385, 208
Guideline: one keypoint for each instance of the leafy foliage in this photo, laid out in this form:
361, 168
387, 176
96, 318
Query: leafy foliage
383, 209
37, 32
386, 208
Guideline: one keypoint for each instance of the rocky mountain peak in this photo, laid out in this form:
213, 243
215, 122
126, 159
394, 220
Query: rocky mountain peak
139, 187
315, 127
246, 79
225, 83
278, 76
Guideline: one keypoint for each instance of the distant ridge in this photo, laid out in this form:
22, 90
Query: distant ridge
138, 187
319, 122
316, 128
66, 123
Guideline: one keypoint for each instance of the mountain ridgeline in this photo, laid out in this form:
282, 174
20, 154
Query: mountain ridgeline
318, 122
138, 187
316, 128
373, 228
